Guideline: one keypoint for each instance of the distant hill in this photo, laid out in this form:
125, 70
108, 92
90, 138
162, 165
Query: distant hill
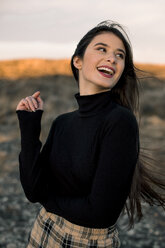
25, 68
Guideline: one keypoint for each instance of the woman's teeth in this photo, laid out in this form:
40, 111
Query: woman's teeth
106, 70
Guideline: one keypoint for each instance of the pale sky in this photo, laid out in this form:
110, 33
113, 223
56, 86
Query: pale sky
52, 28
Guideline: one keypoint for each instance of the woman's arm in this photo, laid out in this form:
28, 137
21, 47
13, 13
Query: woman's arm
33, 163
111, 184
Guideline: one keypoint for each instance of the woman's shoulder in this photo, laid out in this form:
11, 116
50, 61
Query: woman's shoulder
122, 114
64, 117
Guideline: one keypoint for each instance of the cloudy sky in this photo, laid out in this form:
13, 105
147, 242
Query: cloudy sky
52, 28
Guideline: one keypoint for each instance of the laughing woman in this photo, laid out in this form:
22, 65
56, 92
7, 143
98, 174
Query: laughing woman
90, 164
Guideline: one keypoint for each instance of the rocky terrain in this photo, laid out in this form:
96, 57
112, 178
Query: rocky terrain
16, 213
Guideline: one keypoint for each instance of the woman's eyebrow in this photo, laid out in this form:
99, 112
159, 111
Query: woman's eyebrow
103, 44
100, 43
121, 50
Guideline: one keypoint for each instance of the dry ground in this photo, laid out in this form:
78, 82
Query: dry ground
16, 213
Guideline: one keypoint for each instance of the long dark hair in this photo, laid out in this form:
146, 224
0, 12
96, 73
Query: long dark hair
126, 93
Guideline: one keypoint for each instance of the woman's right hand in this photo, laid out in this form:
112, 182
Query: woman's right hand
31, 103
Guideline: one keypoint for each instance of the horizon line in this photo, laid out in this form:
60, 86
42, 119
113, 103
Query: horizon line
65, 58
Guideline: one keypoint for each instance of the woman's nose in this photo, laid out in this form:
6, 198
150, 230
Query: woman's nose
111, 58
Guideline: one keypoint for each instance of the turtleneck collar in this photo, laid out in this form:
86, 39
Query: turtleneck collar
92, 104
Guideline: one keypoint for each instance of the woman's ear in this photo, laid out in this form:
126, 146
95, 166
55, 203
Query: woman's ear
77, 61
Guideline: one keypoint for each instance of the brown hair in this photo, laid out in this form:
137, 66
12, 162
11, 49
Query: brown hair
126, 93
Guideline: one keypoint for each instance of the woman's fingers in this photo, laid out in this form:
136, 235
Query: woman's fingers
40, 102
37, 97
23, 105
36, 94
31, 103
26, 104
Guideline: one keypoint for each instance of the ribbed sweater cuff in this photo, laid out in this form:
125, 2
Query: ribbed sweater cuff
30, 124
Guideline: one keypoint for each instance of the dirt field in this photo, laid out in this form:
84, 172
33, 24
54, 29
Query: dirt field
16, 213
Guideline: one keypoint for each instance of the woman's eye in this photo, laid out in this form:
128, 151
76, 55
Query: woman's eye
101, 49
120, 55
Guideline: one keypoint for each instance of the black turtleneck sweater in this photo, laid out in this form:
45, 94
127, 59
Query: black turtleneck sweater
84, 170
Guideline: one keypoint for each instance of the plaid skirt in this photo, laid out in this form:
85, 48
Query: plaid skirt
53, 231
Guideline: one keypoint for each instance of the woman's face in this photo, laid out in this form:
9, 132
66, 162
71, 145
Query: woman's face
102, 64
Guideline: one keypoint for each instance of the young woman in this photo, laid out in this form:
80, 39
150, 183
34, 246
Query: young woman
90, 164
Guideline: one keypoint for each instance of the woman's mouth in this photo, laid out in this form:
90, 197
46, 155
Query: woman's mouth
106, 72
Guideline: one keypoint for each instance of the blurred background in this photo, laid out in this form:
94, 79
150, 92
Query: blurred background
37, 39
